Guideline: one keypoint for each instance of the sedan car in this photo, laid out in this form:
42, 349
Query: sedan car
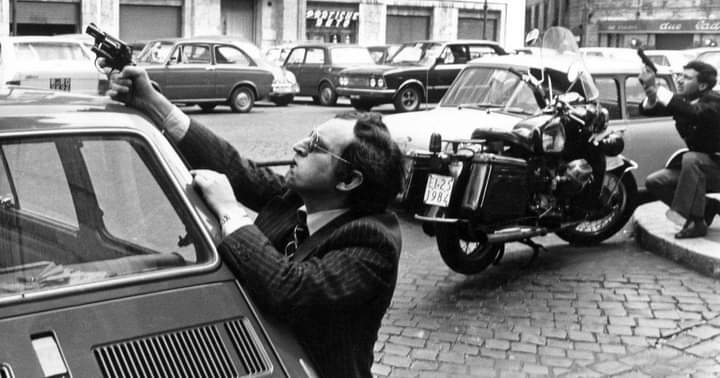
487, 95
419, 71
62, 63
206, 72
381, 54
316, 66
109, 266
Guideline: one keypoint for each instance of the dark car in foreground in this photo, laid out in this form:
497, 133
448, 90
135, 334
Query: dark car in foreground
108, 265
419, 71
316, 67
206, 72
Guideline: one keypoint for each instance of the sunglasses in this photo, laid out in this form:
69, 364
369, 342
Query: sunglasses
312, 144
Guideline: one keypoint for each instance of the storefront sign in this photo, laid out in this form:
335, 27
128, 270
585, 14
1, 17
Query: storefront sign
331, 18
661, 26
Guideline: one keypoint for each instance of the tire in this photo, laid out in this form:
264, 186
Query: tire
459, 253
207, 107
242, 99
408, 99
282, 100
623, 206
361, 105
327, 95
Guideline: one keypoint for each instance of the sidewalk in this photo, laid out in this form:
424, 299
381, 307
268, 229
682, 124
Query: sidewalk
654, 232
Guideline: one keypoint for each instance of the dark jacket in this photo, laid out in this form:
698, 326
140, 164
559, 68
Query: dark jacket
335, 290
698, 123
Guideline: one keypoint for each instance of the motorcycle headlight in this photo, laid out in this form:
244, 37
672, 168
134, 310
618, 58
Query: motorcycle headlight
380, 83
373, 82
553, 137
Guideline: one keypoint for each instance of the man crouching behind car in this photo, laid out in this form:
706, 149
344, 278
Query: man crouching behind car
333, 288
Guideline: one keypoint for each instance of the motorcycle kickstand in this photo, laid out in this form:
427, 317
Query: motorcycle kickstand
500, 254
536, 250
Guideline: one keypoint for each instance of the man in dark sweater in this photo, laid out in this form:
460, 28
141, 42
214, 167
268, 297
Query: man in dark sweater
696, 110
334, 287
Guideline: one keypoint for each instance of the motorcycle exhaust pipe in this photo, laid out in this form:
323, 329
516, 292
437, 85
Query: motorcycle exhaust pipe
515, 234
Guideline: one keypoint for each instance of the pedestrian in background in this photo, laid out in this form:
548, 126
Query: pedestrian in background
696, 111
333, 288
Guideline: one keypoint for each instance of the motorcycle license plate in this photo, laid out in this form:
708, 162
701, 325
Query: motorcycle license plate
438, 190
61, 84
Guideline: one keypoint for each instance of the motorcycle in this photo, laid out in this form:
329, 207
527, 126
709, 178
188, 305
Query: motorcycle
557, 171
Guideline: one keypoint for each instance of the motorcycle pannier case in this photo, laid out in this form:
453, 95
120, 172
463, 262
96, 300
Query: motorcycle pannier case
497, 188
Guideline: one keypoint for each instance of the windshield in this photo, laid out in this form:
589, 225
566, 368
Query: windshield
351, 55
155, 52
81, 209
488, 87
43, 51
561, 41
418, 53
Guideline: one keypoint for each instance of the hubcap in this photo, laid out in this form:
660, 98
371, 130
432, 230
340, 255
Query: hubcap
242, 100
409, 99
326, 95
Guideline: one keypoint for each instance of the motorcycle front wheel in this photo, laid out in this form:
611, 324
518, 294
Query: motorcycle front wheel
623, 199
462, 254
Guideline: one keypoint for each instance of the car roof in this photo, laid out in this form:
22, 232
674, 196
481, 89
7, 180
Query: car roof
327, 45
562, 63
31, 109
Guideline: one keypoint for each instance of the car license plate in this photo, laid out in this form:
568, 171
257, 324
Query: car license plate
60, 84
438, 190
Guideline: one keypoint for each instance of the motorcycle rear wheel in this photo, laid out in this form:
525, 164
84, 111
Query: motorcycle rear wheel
623, 205
463, 255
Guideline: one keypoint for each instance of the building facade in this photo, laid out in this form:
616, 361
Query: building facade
270, 22
660, 24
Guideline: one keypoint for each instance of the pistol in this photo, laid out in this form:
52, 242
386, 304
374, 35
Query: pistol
646, 61
117, 54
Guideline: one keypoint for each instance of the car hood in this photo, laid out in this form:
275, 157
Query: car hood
370, 70
412, 130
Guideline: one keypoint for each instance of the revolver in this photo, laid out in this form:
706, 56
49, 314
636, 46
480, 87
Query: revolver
117, 54
646, 61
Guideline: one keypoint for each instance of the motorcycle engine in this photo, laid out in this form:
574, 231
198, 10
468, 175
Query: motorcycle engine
578, 173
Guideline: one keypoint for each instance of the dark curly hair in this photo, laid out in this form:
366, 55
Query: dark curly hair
706, 73
374, 153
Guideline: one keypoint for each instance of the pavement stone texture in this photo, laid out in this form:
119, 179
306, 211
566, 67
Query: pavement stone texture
625, 312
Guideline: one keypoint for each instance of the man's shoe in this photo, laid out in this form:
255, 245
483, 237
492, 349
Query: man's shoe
693, 229
712, 208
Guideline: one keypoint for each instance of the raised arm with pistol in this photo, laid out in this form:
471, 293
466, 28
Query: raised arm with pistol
116, 53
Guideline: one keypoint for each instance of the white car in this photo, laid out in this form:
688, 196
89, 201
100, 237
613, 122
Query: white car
675, 59
58, 63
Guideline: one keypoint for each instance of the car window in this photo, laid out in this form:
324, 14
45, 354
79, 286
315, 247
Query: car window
609, 96
195, 54
659, 60
155, 52
480, 51
315, 56
351, 55
634, 94
231, 55
297, 56
455, 54
44, 51
420, 53
78, 209
487, 87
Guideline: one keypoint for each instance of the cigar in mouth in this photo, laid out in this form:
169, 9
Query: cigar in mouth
274, 163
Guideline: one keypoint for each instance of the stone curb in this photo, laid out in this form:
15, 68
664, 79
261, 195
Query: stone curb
654, 232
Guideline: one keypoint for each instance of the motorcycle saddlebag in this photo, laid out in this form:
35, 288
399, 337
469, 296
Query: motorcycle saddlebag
497, 188
417, 165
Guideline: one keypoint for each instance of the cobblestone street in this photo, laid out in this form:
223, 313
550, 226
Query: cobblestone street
609, 310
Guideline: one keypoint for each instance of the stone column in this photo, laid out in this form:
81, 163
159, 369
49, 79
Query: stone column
291, 16
371, 25
104, 13
201, 17
444, 23
4, 18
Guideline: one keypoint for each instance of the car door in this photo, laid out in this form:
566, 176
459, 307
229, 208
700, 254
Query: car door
190, 73
649, 141
294, 63
313, 70
452, 59
234, 65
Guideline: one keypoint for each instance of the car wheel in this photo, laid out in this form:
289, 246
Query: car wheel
282, 100
242, 100
328, 97
207, 107
361, 105
408, 99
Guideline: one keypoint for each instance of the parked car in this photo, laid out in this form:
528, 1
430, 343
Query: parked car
60, 63
316, 67
675, 59
419, 71
487, 95
711, 56
276, 54
207, 72
621, 53
382, 53
109, 266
